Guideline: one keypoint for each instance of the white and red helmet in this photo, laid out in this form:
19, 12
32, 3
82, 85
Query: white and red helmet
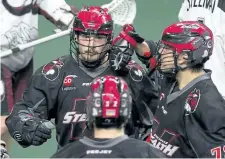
109, 102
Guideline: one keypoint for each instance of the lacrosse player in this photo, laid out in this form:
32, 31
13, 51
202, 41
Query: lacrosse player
189, 100
212, 14
109, 107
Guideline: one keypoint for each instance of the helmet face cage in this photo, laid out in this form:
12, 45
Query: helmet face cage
109, 100
192, 38
171, 69
92, 34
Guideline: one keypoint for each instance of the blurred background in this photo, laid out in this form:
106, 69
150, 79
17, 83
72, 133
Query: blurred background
152, 17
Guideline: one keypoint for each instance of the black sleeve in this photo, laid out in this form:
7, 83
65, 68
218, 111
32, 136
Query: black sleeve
205, 126
141, 150
153, 48
145, 95
152, 45
71, 150
154, 152
38, 101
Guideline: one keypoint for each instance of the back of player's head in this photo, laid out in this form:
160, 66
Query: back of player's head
109, 102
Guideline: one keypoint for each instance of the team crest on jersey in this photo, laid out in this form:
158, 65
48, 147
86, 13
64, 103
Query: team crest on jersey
135, 71
51, 70
68, 83
192, 101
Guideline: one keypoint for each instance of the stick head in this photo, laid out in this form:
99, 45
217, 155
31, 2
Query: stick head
122, 11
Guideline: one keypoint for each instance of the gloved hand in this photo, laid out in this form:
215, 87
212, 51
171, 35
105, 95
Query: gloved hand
66, 21
119, 59
35, 132
4, 153
124, 45
129, 34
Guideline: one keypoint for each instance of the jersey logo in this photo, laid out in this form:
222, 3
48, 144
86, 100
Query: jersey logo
162, 139
77, 119
17, 136
74, 117
192, 101
98, 152
67, 83
51, 70
135, 71
86, 84
163, 145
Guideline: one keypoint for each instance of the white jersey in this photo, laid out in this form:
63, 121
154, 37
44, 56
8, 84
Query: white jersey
212, 14
19, 25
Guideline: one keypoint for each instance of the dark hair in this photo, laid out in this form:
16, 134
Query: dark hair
107, 123
197, 68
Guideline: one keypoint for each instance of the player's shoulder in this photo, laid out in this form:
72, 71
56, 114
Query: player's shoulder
152, 45
71, 150
136, 71
52, 70
202, 97
142, 149
204, 104
133, 141
207, 90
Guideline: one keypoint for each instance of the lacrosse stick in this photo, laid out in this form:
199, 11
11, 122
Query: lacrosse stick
122, 12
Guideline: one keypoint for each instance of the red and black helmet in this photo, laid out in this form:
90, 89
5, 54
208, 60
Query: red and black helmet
92, 20
109, 102
191, 37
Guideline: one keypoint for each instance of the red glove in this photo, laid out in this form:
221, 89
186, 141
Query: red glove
128, 33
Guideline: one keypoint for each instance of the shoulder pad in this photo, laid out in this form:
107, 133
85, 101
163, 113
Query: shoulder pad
136, 71
133, 63
51, 71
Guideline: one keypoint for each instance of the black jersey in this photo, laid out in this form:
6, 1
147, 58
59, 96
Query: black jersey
120, 147
190, 122
59, 89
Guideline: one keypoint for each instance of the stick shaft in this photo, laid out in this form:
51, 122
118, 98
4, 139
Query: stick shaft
33, 43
